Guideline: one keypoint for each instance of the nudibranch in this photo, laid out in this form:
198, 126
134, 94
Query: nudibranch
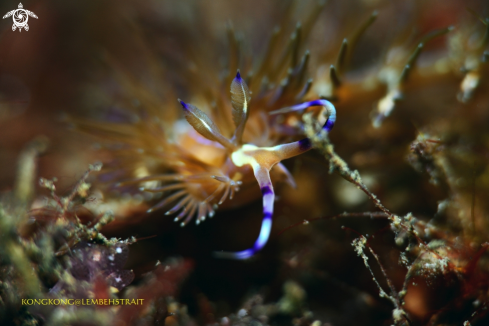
190, 168
242, 157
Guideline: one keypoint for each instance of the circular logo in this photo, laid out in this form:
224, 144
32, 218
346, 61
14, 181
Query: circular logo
20, 17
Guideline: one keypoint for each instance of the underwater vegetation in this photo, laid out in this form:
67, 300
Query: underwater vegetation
122, 123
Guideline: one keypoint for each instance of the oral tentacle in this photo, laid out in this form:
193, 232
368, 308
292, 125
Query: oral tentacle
289, 150
327, 105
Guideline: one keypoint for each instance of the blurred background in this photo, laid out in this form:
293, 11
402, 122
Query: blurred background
89, 59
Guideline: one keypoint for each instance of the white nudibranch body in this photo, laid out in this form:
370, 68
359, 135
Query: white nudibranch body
240, 157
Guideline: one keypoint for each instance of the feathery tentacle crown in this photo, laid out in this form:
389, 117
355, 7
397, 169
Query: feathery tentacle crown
260, 159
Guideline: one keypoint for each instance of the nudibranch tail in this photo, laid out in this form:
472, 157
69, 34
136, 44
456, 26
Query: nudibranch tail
263, 177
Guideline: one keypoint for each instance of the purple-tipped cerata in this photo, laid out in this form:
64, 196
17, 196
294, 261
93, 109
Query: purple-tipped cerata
183, 104
305, 144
